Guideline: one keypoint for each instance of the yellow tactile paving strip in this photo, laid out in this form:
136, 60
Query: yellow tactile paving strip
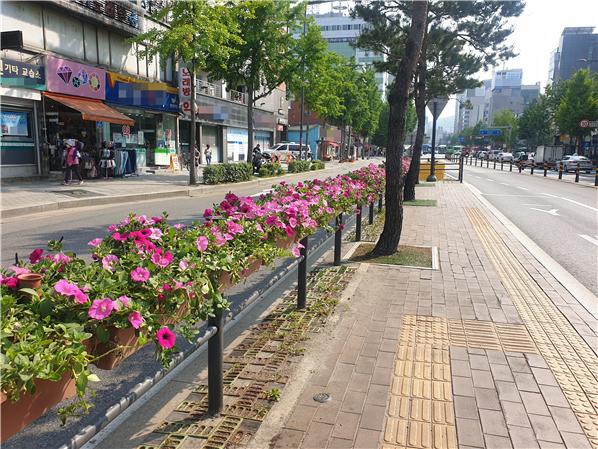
420, 409
569, 357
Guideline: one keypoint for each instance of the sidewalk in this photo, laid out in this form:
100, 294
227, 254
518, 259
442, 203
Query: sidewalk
24, 198
490, 351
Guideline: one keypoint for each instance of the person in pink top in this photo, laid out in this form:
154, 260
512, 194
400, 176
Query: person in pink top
73, 158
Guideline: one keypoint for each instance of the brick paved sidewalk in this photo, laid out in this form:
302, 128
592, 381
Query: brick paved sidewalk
490, 351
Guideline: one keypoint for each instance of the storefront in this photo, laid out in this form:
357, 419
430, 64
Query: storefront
236, 144
74, 109
20, 101
264, 138
154, 109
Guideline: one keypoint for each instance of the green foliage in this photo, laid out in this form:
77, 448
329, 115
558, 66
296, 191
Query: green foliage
268, 170
535, 123
317, 165
298, 166
273, 394
224, 173
579, 102
506, 118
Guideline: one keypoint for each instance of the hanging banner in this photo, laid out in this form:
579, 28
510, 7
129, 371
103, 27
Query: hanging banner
185, 92
21, 74
71, 78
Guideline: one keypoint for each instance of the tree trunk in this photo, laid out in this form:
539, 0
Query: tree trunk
249, 122
420, 111
398, 99
193, 132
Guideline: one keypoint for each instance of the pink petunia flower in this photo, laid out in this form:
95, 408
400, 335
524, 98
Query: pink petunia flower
234, 228
36, 255
162, 260
208, 213
166, 338
183, 264
10, 282
140, 274
119, 237
296, 250
109, 261
155, 233
136, 319
95, 242
19, 270
201, 243
65, 288
101, 308
61, 258
124, 300
81, 297
178, 226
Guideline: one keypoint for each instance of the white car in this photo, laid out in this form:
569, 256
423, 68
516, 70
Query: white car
504, 157
570, 163
493, 155
281, 150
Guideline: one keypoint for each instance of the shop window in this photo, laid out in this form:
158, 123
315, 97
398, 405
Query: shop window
15, 124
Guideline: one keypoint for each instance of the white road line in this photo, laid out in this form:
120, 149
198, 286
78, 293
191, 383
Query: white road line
537, 205
488, 179
509, 194
479, 177
551, 211
589, 239
522, 188
571, 201
504, 184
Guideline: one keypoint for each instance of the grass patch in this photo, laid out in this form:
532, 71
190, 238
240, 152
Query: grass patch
413, 256
425, 184
423, 203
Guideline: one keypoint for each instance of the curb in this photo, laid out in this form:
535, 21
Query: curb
119, 199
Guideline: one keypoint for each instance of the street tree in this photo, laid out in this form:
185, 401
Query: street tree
202, 35
508, 123
579, 102
380, 136
271, 49
534, 124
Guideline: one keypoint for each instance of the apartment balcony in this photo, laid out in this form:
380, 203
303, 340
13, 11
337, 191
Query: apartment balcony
237, 97
122, 15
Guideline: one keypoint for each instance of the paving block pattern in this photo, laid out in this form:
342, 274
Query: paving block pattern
573, 364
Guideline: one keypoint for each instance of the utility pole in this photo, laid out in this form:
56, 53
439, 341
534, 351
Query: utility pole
302, 90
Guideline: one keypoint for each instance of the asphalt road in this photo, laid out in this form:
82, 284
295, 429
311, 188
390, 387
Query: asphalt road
560, 217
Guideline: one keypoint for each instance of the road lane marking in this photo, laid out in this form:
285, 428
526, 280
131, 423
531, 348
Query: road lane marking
537, 205
522, 188
551, 211
504, 184
488, 179
571, 201
479, 177
589, 239
511, 194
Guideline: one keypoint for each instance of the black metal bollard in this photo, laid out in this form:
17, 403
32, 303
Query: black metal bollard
475, 163
560, 171
511, 166
501, 165
358, 213
519, 167
380, 200
371, 217
532, 170
302, 275
494, 164
545, 169
577, 174
338, 240
596, 178
488, 163
215, 365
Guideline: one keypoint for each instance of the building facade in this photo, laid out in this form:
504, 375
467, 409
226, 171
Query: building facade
68, 71
467, 118
578, 49
341, 32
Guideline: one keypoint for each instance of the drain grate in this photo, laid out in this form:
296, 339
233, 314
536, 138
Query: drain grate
77, 193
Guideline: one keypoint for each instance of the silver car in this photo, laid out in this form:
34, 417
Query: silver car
504, 157
570, 163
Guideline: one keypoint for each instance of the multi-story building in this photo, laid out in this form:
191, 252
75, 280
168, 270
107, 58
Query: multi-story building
341, 32
578, 49
69, 71
508, 92
469, 117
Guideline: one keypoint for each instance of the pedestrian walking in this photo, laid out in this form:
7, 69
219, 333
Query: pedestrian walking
107, 159
72, 160
208, 154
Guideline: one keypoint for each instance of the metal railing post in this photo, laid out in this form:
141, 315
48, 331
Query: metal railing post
501, 165
338, 240
519, 167
488, 163
302, 275
371, 216
532, 170
461, 162
577, 173
380, 200
475, 163
215, 365
358, 213
494, 167
511, 166
545, 168
560, 171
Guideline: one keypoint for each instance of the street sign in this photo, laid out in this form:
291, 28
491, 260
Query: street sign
490, 132
440, 104
461, 139
584, 123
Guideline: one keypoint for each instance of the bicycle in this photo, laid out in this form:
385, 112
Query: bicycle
186, 159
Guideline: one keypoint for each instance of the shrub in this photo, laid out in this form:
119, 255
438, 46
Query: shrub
219, 173
299, 166
318, 165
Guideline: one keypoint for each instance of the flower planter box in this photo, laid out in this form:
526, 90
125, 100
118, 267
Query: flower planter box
112, 358
167, 319
253, 266
286, 242
29, 407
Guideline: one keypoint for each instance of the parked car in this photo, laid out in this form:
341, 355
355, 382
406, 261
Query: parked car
481, 155
281, 150
570, 163
525, 160
493, 155
504, 157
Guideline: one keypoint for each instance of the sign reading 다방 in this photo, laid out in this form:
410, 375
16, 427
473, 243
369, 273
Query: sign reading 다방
72, 78
21, 74
185, 91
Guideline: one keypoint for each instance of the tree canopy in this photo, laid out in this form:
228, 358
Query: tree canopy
506, 118
579, 102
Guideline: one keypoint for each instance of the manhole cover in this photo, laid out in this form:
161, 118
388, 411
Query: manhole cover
322, 397
77, 193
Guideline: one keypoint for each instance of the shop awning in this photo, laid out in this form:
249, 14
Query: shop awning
90, 109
